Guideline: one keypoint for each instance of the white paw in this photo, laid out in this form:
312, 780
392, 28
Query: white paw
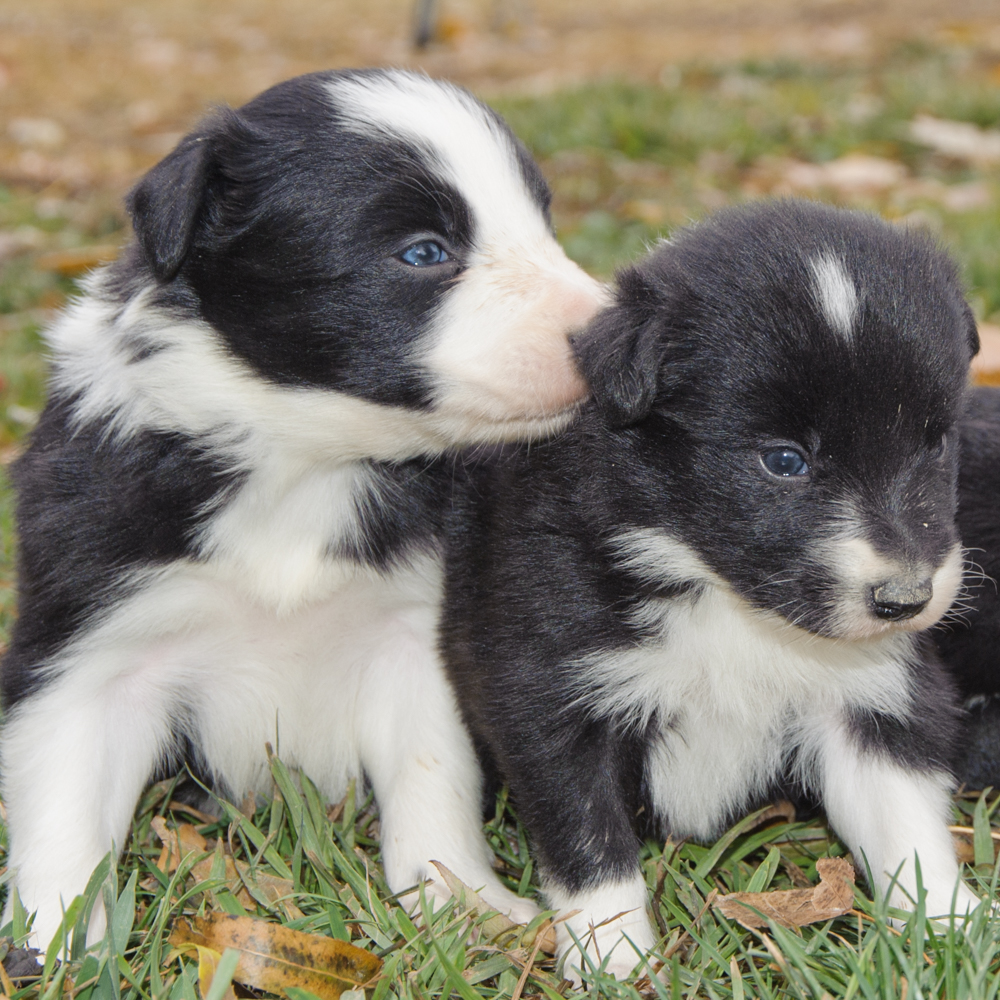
611, 929
621, 963
435, 893
520, 910
942, 901
47, 923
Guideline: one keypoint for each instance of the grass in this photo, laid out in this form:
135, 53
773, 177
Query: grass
331, 857
628, 163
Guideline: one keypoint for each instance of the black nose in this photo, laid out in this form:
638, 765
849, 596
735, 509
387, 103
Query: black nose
897, 600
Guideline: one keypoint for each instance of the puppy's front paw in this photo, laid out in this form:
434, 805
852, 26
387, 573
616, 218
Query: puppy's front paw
609, 930
521, 911
442, 885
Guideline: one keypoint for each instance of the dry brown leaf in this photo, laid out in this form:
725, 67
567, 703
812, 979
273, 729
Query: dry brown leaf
273, 957
242, 881
833, 897
782, 809
498, 924
177, 844
203, 817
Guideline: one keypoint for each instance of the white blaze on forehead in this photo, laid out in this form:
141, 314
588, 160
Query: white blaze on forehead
498, 346
469, 147
835, 293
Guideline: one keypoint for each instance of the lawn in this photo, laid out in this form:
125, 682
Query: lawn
628, 163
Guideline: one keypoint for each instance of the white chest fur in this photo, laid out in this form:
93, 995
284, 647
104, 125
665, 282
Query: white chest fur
735, 694
276, 539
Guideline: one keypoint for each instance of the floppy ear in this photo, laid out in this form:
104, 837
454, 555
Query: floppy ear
971, 328
205, 167
620, 352
164, 205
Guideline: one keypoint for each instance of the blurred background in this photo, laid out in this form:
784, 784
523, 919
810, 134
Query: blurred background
645, 115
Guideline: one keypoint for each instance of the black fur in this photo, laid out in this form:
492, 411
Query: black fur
970, 644
714, 349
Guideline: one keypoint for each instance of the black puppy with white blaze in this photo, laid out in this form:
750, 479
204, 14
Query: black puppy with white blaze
714, 584
229, 511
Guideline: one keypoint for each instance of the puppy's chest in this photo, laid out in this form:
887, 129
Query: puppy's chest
288, 537
731, 698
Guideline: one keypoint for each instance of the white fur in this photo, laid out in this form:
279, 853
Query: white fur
733, 686
859, 568
191, 646
835, 294
612, 925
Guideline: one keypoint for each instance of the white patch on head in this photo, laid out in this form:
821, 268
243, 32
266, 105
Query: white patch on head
612, 926
734, 689
835, 293
501, 347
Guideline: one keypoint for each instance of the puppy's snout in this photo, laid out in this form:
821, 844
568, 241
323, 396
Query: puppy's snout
897, 600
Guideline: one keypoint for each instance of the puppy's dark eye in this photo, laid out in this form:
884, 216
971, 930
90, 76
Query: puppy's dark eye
424, 254
938, 449
784, 462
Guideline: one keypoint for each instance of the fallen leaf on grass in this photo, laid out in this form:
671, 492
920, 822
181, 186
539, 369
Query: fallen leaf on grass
245, 883
275, 958
498, 924
833, 897
177, 844
208, 965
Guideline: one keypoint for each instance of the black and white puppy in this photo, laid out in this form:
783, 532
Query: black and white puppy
970, 642
229, 511
714, 584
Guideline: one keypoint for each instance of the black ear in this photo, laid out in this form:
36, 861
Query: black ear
164, 205
621, 351
971, 328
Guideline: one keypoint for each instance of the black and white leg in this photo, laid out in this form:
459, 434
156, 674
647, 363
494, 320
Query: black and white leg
890, 814
573, 795
423, 768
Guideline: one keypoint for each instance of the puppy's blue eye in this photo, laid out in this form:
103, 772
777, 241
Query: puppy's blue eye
784, 462
423, 254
